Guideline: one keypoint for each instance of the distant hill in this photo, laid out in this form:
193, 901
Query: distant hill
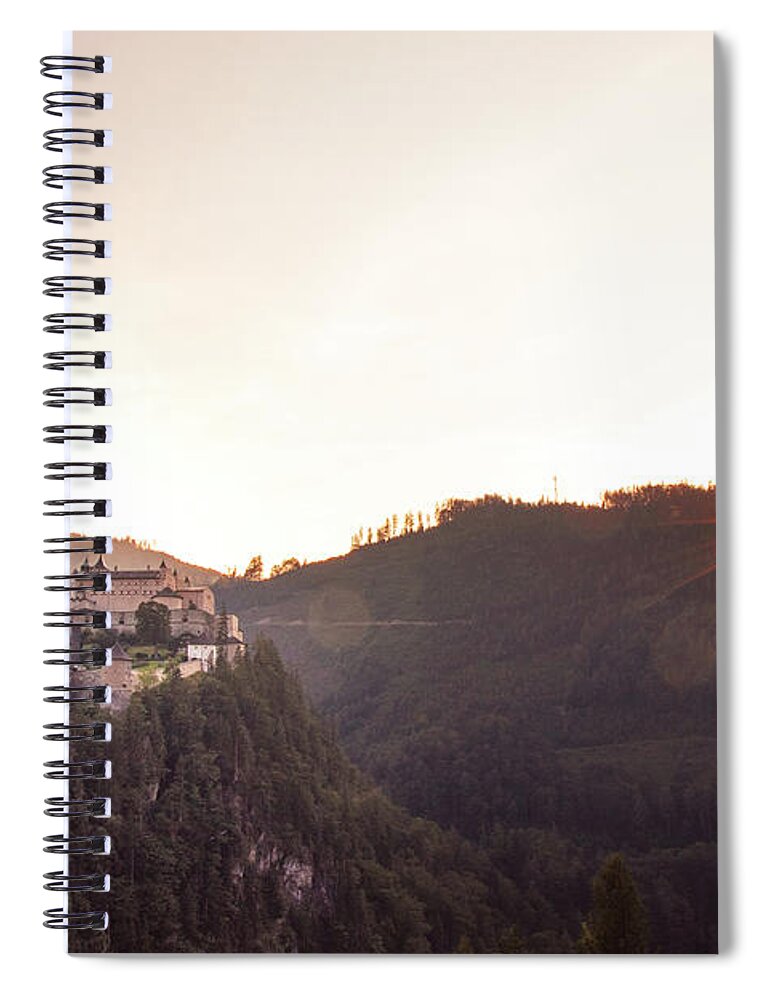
127, 553
540, 678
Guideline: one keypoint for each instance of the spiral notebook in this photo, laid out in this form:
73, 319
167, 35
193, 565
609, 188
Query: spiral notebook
382, 590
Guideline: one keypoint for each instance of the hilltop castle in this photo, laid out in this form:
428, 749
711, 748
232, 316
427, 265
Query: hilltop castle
192, 609
209, 638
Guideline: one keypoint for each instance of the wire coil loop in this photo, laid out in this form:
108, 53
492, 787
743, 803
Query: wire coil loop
72, 322
56, 139
89, 920
55, 66
58, 174
57, 101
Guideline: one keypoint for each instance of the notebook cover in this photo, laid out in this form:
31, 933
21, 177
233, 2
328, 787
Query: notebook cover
413, 573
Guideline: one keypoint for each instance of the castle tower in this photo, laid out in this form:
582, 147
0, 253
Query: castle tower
166, 576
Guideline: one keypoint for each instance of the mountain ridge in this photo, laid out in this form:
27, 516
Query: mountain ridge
129, 553
560, 706
589, 627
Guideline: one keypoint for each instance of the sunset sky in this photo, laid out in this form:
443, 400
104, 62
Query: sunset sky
358, 273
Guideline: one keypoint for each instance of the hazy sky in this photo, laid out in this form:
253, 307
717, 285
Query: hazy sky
356, 273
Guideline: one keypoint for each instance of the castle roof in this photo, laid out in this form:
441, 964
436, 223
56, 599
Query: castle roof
118, 653
136, 574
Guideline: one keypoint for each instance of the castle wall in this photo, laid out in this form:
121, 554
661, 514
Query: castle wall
171, 601
199, 597
120, 677
112, 602
128, 586
190, 667
190, 620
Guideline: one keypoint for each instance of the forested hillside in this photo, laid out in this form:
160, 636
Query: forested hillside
238, 825
540, 678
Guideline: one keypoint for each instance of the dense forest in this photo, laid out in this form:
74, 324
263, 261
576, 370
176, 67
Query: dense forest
238, 825
496, 734
539, 679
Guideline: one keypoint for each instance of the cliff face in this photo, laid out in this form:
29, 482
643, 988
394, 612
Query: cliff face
238, 825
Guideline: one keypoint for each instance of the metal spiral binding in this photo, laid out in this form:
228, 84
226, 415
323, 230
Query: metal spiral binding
59, 361
61, 882
57, 100
72, 732
58, 211
61, 433
59, 843
90, 920
96, 583
78, 619
62, 323
60, 173
59, 249
78, 657
54, 66
65, 769
68, 394
99, 470
57, 138
62, 694
61, 284
73, 544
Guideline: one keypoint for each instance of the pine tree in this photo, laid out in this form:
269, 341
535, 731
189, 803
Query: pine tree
222, 627
465, 946
617, 923
511, 941
255, 569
